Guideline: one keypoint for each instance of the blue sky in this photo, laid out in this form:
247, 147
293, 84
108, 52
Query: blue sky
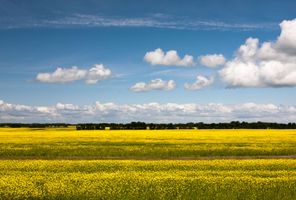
38, 37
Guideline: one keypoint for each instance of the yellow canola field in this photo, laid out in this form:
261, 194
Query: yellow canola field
201, 179
144, 144
165, 164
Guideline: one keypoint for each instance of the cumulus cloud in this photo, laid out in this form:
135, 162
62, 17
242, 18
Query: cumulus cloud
201, 82
63, 75
287, 40
148, 112
212, 60
271, 64
156, 84
169, 58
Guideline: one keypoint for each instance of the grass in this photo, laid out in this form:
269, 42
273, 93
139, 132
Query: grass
168, 144
167, 164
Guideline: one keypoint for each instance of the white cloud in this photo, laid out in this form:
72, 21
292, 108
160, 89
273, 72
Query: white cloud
63, 75
287, 40
212, 60
61, 106
169, 58
201, 82
272, 64
148, 112
156, 84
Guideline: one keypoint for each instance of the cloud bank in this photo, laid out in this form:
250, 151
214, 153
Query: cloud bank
64, 75
270, 64
169, 58
148, 112
156, 84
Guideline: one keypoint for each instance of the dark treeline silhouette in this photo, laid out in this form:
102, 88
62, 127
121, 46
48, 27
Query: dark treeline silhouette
156, 126
200, 125
34, 125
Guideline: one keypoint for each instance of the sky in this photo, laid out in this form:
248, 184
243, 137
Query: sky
79, 61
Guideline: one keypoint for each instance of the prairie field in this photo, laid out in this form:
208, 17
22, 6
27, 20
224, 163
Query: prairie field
148, 164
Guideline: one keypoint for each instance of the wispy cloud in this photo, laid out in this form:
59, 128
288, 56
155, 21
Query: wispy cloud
153, 21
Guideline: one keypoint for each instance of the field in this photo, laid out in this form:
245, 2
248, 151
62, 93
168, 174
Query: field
167, 164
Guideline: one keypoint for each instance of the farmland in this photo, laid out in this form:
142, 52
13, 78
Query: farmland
62, 163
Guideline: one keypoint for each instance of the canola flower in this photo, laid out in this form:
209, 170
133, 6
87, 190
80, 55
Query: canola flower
110, 179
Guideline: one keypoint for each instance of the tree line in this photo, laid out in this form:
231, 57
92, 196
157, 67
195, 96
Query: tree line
156, 126
200, 125
34, 125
